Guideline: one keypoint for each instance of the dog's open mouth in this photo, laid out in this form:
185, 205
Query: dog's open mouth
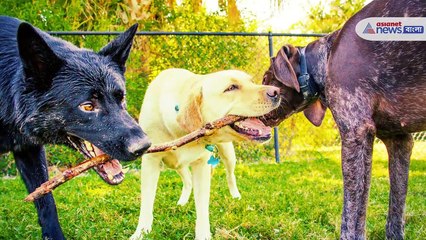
111, 172
252, 128
275, 117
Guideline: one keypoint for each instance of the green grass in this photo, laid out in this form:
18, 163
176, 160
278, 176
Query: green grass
297, 199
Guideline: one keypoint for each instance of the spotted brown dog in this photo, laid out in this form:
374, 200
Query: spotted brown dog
373, 89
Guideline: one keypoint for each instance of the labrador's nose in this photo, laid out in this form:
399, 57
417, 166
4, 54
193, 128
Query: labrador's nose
139, 146
273, 93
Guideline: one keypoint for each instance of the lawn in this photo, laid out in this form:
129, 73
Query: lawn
297, 199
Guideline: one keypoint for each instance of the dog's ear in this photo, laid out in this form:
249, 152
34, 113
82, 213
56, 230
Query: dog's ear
39, 61
315, 112
118, 49
283, 66
189, 116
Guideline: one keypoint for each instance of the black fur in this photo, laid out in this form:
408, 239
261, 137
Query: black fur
43, 83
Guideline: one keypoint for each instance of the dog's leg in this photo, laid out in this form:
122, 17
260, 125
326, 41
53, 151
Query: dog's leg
201, 180
353, 114
399, 150
150, 173
185, 175
32, 165
227, 154
357, 149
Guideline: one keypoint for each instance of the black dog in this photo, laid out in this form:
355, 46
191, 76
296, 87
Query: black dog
54, 92
373, 88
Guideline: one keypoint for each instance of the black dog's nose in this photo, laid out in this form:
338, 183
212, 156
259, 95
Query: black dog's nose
139, 147
273, 93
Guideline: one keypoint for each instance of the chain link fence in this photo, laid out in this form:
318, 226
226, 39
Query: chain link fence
214, 51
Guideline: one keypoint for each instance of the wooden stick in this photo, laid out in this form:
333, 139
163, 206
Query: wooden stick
68, 174
207, 130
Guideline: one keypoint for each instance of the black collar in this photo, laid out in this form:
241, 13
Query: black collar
308, 87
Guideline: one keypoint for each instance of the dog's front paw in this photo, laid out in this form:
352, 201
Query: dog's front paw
140, 232
203, 236
136, 236
202, 228
235, 194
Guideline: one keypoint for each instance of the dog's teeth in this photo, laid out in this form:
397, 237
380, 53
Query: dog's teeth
110, 177
72, 142
93, 153
88, 146
260, 132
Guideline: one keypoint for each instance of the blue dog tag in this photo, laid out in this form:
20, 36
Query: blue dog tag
213, 161
210, 147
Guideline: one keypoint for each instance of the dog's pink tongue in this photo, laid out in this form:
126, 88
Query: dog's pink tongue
112, 167
255, 123
98, 151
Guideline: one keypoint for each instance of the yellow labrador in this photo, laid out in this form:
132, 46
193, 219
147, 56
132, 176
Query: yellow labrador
178, 102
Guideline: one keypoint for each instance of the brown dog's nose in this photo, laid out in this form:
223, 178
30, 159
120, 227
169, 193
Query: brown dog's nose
273, 93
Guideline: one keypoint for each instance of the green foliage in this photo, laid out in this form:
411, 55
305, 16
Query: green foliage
298, 199
326, 16
66, 15
7, 165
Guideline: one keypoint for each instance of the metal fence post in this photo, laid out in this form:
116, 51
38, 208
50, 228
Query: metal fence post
276, 144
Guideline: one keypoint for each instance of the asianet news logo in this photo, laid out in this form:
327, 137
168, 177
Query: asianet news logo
392, 29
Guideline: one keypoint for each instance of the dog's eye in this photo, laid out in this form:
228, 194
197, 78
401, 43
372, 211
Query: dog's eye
265, 80
87, 107
119, 96
232, 88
